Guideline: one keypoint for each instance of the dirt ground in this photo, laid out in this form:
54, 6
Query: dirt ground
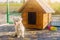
35, 35
2, 18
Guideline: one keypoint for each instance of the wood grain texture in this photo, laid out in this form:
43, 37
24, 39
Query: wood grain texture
42, 18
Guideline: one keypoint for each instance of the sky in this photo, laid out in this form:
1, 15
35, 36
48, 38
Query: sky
55, 1
3, 0
11, 0
52, 1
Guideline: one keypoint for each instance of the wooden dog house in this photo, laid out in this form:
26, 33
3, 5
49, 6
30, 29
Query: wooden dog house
36, 14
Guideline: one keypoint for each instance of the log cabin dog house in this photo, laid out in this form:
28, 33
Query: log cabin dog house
36, 14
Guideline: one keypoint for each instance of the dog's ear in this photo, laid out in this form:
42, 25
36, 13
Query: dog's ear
20, 18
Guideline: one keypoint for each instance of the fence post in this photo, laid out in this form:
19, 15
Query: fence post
7, 11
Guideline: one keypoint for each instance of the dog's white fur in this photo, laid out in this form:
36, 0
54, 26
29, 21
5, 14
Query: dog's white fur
19, 27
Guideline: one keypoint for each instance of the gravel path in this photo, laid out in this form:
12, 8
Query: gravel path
2, 18
33, 34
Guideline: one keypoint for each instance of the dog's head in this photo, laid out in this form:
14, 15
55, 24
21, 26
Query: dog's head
16, 19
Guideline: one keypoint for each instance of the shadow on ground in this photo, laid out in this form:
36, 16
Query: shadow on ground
32, 34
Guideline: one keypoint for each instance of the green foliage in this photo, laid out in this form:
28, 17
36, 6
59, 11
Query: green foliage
11, 4
56, 7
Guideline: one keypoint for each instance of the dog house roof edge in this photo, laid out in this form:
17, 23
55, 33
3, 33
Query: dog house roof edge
42, 3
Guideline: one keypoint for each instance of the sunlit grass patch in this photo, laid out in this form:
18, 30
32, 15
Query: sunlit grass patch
11, 4
3, 4
16, 4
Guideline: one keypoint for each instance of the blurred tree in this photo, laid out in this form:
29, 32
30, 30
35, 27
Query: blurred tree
55, 6
23, 1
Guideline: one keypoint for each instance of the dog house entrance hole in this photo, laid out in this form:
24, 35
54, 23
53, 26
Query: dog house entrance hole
32, 18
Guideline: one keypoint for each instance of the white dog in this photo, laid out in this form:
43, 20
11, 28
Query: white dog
19, 28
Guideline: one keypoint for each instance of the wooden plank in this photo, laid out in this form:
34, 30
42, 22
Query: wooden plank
45, 20
50, 17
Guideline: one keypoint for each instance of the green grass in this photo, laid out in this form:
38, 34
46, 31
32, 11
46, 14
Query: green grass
11, 4
15, 4
3, 4
56, 7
